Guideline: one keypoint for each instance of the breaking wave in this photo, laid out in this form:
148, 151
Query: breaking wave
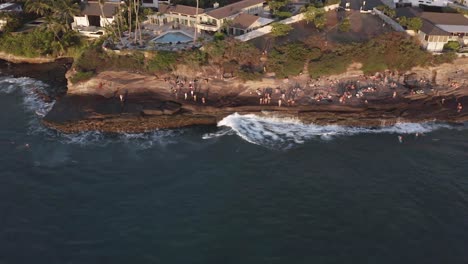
30, 90
273, 132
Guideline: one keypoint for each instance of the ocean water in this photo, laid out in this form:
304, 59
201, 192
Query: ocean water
253, 190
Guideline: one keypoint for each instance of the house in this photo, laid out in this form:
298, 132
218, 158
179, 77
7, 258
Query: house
150, 3
179, 14
417, 3
215, 19
462, 2
438, 28
10, 7
94, 17
244, 23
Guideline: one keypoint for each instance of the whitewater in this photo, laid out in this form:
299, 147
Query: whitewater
264, 130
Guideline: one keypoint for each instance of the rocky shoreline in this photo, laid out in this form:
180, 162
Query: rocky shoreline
75, 113
119, 102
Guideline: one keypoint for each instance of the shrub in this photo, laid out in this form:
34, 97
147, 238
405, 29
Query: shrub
218, 36
81, 76
162, 61
446, 57
289, 59
283, 14
452, 46
278, 29
329, 63
345, 25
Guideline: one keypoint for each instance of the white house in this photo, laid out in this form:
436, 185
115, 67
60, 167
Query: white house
244, 23
213, 20
150, 3
93, 18
416, 3
438, 28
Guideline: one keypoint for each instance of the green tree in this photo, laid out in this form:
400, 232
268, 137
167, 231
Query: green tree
310, 13
315, 15
218, 36
452, 45
387, 10
278, 29
277, 5
414, 23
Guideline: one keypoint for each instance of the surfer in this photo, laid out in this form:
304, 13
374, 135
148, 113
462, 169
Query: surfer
400, 139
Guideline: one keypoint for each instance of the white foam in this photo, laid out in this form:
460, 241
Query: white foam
29, 88
276, 132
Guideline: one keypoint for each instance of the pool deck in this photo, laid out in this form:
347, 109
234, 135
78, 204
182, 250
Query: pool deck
152, 32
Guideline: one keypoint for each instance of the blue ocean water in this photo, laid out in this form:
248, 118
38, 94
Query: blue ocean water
254, 190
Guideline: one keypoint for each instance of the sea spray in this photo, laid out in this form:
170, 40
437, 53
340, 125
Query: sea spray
275, 132
33, 104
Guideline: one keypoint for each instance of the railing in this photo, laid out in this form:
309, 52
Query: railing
207, 27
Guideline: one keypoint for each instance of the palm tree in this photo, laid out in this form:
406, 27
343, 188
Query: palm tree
196, 20
66, 10
136, 6
41, 7
107, 24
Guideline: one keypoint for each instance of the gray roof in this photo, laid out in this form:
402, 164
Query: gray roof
93, 9
9, 7
445, 18
430, 29
244, 21
232, 9
434, 23
408, 12
180, 9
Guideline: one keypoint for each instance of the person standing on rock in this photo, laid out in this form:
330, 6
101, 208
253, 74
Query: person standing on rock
459, 107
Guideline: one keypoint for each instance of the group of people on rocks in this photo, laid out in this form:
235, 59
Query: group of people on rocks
189, 89
266, 96
360, 89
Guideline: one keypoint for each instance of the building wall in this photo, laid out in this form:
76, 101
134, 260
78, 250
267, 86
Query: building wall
106, 20
423, 2
432, 43
3, 23
84, 22
81, 21
153, 3
253, 10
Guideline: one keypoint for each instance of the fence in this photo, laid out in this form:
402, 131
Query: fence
388, 20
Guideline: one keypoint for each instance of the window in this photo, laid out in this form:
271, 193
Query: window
426, 38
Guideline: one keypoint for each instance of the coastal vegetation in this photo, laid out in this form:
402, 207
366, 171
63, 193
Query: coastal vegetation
53, 38
393, 51
233, 57
279, 29
412, 23
315, 15
388, 11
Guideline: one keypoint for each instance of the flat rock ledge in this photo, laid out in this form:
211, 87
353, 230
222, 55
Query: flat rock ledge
77, 113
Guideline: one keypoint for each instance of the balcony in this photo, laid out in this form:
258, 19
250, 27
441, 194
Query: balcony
208, 26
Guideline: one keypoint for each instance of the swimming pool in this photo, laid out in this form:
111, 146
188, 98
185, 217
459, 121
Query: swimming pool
173, 37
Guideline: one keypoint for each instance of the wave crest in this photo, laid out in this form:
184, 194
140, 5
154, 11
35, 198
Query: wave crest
276, 132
